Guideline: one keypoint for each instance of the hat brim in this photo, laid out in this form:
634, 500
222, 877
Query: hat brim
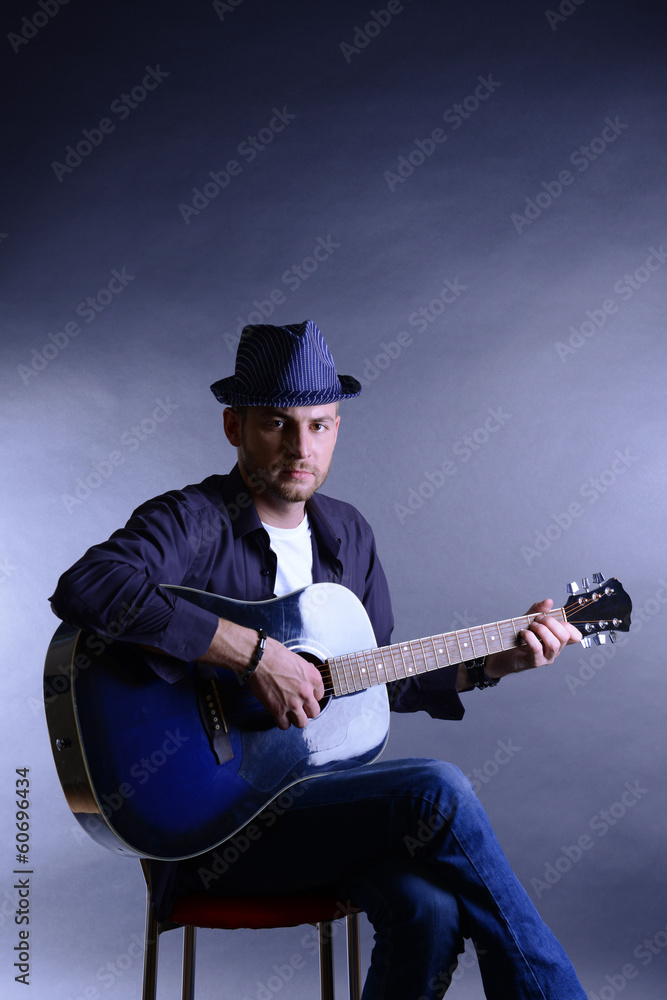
227, 390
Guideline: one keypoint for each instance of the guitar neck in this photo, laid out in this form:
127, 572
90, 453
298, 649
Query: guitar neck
356, 671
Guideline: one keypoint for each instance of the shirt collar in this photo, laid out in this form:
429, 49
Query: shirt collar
235, 497
244, 517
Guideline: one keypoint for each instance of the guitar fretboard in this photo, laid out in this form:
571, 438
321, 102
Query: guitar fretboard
356, 671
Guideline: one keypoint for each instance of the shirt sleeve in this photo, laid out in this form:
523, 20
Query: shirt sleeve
434, 693
116, 589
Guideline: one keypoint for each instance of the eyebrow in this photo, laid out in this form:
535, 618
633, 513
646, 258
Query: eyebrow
321, 419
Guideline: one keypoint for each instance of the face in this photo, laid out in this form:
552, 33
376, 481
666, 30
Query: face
284, 453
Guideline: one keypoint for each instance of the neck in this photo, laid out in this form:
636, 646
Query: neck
274, 510
282, 514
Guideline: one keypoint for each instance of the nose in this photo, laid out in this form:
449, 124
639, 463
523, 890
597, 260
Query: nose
298, 443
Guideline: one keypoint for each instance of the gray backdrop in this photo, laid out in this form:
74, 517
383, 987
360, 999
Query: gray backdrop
469, 200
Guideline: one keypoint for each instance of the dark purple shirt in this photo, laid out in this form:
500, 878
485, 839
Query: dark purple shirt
209, 537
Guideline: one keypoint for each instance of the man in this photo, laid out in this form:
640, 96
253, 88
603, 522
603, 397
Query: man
261, 532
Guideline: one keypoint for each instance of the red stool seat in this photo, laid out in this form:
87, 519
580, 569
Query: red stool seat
258, 912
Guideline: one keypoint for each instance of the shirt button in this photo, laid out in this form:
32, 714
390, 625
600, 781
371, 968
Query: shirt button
266, 572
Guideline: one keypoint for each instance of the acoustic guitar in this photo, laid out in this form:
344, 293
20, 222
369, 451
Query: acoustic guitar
168, 771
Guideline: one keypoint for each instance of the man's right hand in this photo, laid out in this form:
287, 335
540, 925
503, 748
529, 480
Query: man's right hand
288, 686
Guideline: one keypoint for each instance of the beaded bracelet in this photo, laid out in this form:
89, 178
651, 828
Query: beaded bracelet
257, 655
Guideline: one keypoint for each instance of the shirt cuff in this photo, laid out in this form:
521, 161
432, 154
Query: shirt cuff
434, 692
187, 637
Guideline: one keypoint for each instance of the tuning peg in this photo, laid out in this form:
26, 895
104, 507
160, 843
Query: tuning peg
599, 640
613, 637
586, 583
572, 588
598, 578
587, 641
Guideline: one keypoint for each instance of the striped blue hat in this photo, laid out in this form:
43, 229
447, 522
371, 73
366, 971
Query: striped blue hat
284, 366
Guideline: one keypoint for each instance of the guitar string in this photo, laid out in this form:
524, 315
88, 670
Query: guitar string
370, 657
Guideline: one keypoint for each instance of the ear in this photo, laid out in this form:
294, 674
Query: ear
232, 425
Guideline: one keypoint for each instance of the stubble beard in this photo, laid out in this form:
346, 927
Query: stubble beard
268, 479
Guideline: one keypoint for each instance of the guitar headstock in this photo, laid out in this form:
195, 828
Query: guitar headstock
595, 611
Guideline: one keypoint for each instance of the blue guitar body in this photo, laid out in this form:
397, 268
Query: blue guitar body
168, 771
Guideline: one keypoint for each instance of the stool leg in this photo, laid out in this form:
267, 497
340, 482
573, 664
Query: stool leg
189, 947
353, 956
151, 943
326, 960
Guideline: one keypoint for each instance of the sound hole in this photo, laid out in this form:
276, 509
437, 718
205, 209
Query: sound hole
326, 675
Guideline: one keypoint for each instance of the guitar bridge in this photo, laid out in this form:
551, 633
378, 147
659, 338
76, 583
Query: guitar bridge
212, 714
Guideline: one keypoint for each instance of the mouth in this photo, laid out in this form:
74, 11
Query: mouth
297, 475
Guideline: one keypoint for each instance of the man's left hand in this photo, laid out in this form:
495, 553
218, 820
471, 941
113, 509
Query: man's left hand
541, 643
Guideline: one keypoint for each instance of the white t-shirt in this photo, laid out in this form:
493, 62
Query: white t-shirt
294, 552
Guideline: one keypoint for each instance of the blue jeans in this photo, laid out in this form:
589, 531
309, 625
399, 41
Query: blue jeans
409, 842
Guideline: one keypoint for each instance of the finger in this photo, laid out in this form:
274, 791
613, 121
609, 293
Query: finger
567, 633
318, 684
540, 607
559, 629
532, 645
312, 708
550, 644
297, 717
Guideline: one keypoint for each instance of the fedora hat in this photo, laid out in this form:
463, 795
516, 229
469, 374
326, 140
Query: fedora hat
284, 366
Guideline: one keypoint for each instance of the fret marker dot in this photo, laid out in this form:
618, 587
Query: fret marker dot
465, 644
379, 666
441, 650
363, 670
409, 670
